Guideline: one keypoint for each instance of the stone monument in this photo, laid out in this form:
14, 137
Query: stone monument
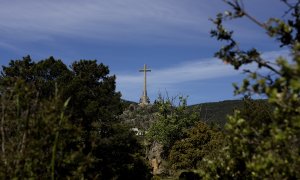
144, 100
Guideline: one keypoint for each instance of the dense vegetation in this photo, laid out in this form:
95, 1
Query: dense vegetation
70, 123
174, 135
215, 113
61, 123
262, 145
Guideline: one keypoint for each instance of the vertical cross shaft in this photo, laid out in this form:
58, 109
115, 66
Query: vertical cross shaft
145, 99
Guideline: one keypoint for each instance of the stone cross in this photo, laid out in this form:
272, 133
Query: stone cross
144, 100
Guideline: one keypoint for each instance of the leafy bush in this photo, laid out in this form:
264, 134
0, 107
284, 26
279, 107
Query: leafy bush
197, 143
262, 144
170, 122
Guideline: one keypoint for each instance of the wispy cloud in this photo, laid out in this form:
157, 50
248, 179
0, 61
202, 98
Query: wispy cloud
161, 79
172, 79
271, 56
8, 46
189, 72
114, 20
96, 19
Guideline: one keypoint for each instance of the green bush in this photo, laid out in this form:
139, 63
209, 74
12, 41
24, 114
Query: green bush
198, 142
170, 122
262, 143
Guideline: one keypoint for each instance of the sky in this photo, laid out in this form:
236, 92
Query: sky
171, 36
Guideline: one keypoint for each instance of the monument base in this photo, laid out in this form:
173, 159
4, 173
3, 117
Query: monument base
144, 100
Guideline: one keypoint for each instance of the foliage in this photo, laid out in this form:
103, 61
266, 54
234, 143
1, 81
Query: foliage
247, 138
185, 139
79, 139
216, 112
121, 156
198, 142
189, 175
170, 122
31, 136
264, 146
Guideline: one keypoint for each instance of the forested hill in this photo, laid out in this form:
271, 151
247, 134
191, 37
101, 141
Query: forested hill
216, 112
211, 112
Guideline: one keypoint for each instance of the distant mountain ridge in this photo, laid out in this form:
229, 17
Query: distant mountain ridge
217, 112
211, 112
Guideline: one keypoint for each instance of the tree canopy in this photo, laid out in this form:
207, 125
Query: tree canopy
59, 122
262, 144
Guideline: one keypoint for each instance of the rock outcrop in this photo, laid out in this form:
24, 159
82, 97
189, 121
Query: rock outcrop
156, 161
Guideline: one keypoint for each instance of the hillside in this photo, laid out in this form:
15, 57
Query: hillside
216, 112
211, 112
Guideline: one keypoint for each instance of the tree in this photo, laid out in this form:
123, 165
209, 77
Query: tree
276, 140
170, 122
197, 143
91, 110
43, 74
35, 134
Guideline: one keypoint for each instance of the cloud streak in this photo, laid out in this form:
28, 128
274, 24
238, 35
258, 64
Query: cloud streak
96, 19
189, 72
157, 21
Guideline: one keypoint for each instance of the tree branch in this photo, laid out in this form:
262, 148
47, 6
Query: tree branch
266, 65
240, 7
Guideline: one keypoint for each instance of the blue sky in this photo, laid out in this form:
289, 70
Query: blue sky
170, 36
